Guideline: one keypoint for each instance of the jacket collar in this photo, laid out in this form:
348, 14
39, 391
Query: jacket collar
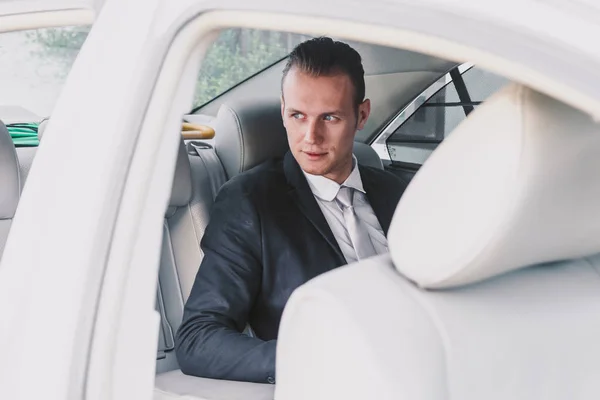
300, 191
306, 202
326, 189
381, 202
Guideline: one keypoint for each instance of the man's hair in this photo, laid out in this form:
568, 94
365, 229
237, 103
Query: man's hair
324, 56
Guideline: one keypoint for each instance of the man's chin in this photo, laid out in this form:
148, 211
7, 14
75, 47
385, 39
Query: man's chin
312, 166
313, 169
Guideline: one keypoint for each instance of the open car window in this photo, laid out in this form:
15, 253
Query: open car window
34, 65
437, 116
238, 54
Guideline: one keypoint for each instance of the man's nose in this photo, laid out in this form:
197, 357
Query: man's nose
312, 134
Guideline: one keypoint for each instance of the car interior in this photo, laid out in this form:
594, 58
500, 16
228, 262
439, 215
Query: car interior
248, 131
418, 101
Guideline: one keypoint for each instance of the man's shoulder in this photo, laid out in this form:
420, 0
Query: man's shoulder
382, 177
264, 178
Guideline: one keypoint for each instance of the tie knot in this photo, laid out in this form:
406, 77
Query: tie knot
345, 196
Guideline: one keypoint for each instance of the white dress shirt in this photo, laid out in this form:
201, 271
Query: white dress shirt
325, 191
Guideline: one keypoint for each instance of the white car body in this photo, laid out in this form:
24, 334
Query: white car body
78, 276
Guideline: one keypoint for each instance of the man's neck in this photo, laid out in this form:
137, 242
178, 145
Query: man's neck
339, 175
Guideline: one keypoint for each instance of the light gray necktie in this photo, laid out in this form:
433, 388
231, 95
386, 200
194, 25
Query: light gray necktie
361, 241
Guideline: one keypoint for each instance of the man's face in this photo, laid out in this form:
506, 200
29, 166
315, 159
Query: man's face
321, 121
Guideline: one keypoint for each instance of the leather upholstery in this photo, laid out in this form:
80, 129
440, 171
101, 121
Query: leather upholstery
367, 331
248, 133
175, 385
10, 182
198, 178
517, 184
25, 156
181, 192
41, 129
366, 156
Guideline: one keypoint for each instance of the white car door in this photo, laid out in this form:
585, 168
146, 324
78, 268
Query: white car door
31, 80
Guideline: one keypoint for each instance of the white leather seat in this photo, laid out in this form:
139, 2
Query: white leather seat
175, 385
10, 184
27, 154
198, 177
492, 286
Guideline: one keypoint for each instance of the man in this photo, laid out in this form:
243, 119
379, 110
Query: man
286, 221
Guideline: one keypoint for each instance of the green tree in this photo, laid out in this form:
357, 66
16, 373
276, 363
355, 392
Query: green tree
60, 44
236, 55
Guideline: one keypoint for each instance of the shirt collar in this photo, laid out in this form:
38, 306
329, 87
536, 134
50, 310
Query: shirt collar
326, 189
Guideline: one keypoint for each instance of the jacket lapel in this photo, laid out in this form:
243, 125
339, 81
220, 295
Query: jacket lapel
306, 202
381, 203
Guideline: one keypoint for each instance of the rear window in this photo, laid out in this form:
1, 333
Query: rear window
236, 55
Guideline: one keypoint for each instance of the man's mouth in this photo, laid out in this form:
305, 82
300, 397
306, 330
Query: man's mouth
314, 155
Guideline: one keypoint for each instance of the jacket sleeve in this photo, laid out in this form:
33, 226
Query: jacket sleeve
209, 341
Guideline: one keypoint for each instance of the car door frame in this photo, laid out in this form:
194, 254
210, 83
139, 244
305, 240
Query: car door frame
26, 16
400, 117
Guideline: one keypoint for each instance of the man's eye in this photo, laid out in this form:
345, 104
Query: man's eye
329, 118
297, 116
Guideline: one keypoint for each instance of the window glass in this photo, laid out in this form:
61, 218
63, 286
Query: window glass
34, 65
432, 121
236, 55
437, 117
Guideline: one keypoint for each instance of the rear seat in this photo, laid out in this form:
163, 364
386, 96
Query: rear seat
10, 184
198, 177
26, 154
247, 134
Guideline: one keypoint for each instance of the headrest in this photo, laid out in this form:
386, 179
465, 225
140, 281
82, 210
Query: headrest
10, 183
41, 128
181, 193
249, 133
367, 156
516, 184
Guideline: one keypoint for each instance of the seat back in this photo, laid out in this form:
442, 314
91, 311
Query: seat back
10, 184
491, 289
198, 177
27, 154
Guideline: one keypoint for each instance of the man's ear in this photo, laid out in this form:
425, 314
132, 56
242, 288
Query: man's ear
282, 109
364, 110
